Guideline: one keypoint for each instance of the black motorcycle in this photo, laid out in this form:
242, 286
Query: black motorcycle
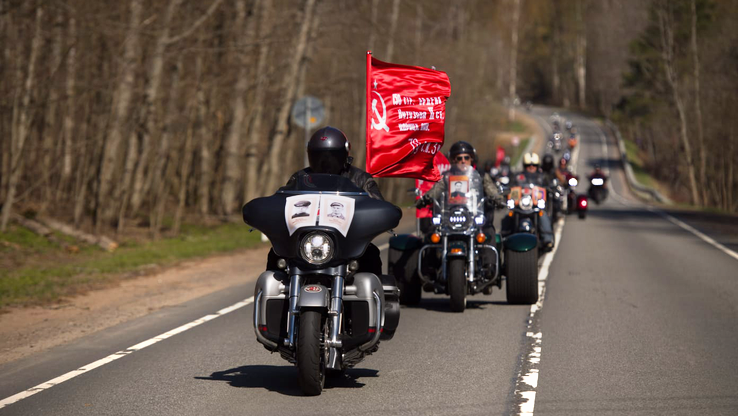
318, 310
597, 190
457, 258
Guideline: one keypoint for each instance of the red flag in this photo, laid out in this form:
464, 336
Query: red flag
405, 116
500, 156
442, 164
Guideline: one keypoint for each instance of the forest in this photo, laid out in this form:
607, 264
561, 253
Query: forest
117, 114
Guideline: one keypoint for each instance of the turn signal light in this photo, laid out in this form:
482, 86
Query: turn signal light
435, 238
540, 213
481, 238
510, 214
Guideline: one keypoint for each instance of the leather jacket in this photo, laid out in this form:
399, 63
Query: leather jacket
359, 177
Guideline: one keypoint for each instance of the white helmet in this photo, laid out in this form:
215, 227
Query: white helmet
531, 159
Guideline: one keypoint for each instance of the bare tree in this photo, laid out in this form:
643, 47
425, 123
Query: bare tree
274, 165
122, 100
667, 55
255, 133
21, 122
514, 57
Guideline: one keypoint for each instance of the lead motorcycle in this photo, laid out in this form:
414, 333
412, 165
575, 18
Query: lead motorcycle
318, 311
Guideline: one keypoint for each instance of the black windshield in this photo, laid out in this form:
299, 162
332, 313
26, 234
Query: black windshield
304, 182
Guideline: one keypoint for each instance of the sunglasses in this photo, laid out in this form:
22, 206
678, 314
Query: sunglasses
460, 158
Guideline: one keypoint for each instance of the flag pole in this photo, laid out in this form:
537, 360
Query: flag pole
367, 133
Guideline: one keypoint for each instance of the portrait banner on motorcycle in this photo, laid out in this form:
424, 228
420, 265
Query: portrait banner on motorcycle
405, 118
442, 165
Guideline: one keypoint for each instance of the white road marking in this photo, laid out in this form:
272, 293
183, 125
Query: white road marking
383, 247
526, 384
110, 358
692, 230
668, 217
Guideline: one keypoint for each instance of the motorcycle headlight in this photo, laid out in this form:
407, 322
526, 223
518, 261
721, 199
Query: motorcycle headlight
479, 220
510, 204
598, 181
437, 220
526, 202
316, 248
459, 219
573, 182
541, 204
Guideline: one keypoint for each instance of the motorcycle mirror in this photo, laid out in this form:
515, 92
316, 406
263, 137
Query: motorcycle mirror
392, 233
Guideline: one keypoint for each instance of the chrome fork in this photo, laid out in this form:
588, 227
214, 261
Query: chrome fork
292, 315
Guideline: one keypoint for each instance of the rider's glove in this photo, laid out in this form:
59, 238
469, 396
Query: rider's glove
421, 202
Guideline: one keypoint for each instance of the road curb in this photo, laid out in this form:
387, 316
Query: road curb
640, 189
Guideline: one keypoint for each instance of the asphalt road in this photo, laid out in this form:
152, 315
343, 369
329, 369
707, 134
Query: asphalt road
639, 317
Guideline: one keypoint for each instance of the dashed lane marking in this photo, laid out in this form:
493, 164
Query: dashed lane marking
120, 354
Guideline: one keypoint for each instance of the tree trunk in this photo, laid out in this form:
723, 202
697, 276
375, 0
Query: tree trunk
233, 142
360, 152
49, 137
290, 82
556, 79
255, 133
514, 58
667, 55
697, 102
147, 124
71, 102
159, 177
20, 129
122, 100
581, 52
183, 178
206, 157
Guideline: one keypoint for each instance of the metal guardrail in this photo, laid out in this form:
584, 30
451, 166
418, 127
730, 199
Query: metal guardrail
639, 188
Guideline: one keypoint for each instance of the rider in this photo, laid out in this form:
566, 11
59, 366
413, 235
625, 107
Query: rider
598, 173
328, 152
532, 174
464, 156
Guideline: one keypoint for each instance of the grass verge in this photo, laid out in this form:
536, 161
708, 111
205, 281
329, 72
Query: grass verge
637, 163
35, 272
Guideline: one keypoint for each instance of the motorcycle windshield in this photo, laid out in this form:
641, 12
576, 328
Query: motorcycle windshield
464, 199
527, 196
330, 204
464, 187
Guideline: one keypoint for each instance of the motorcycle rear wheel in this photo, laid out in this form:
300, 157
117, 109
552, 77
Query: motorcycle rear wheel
522, 277
457, 284
310, 358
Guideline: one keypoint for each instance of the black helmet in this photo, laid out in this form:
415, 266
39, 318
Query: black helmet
328, 151
461, 147
548, 162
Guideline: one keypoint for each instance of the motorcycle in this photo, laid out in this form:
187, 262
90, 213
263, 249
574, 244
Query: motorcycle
457, 258
526, 203
555, 143
318, 310
576, 202
597, 190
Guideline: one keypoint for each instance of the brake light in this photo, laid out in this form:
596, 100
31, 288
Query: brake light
583, 203
263, 328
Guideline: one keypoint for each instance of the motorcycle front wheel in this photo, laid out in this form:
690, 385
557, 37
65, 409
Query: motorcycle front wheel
457, 284
310, 357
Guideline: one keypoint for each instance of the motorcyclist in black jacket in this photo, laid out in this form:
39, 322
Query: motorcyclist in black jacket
328, 152
532, 174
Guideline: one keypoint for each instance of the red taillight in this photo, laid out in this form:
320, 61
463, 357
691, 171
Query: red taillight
263, 328
582, 203
374, 330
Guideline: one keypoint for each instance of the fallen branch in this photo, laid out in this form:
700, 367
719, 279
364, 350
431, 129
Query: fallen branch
104, 242
43, 231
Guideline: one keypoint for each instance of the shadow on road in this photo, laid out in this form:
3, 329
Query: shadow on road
442, 305
283, 379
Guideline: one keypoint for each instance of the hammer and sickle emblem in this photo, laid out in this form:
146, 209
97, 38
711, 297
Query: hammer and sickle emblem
381, 123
